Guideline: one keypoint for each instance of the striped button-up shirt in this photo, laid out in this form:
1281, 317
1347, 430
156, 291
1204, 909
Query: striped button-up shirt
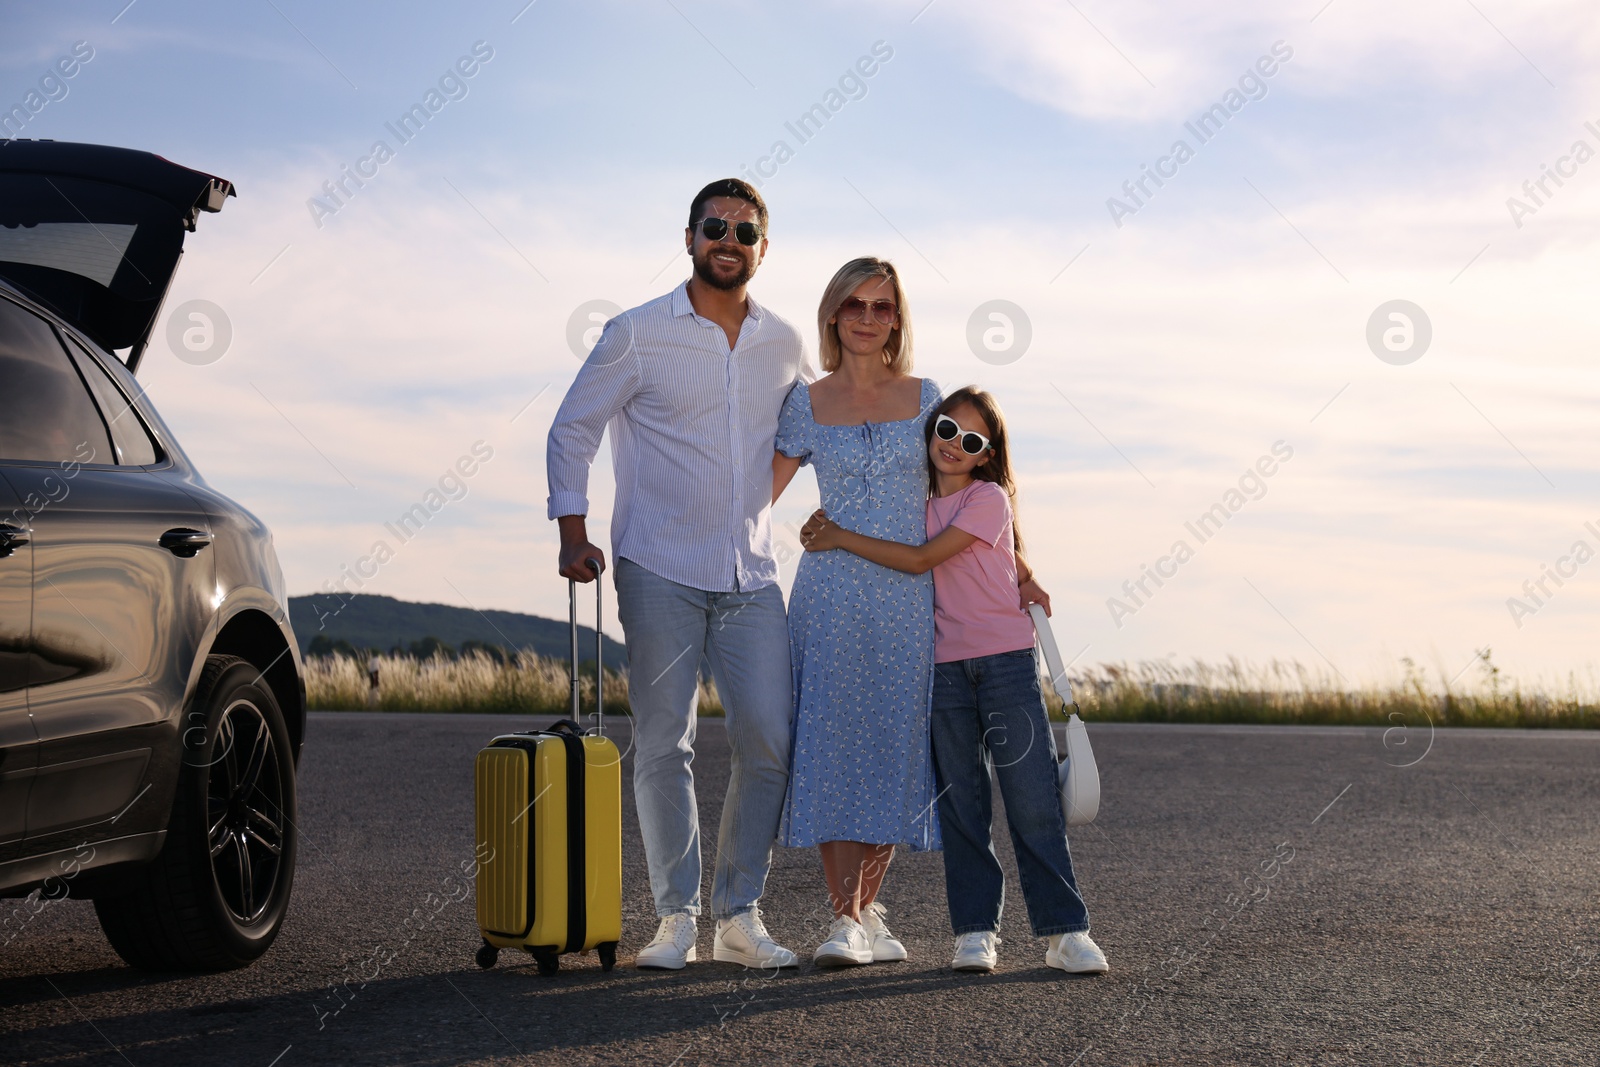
692, 426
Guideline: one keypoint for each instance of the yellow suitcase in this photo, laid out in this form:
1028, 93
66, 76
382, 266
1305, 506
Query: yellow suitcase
549, 834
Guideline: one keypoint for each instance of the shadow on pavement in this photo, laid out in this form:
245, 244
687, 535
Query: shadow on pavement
439, 1018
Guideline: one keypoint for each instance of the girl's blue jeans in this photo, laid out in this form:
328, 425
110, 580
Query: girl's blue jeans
989, 713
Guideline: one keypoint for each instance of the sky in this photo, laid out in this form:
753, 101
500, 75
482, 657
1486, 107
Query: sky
1161, 342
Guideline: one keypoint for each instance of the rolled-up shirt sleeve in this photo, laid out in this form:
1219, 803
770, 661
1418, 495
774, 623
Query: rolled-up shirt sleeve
608, 379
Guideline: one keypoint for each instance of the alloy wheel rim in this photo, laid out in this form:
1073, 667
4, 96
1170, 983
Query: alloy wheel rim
245, 833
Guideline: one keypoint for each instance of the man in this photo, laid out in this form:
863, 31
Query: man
690, 385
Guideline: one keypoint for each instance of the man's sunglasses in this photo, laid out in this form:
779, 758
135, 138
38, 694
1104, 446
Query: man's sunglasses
746, 233
883, 310
973, 444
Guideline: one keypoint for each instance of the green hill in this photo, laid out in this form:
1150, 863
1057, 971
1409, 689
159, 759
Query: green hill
382, 622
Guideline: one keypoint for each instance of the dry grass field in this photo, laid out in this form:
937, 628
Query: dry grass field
1233, 692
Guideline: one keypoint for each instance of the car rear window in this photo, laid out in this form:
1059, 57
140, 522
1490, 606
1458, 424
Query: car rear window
90, 250
45, 412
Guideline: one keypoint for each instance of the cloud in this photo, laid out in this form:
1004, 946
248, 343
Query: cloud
1119, 62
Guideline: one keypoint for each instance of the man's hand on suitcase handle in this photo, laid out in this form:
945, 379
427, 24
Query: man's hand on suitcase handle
580, 560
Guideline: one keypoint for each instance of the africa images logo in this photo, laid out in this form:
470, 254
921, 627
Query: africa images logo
1252, 85
452, 85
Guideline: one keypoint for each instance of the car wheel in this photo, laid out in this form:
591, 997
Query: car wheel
216, 895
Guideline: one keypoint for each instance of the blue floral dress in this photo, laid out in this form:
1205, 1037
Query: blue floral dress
861, 638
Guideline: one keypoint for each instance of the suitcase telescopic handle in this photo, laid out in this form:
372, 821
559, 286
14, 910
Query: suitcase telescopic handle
599, 664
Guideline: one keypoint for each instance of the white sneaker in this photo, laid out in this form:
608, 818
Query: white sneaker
672, 947
847, 944
978, 950
1076, 954
744, 939
885, 947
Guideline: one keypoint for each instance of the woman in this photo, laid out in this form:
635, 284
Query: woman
861, 635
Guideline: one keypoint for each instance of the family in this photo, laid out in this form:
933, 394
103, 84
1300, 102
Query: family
871, 714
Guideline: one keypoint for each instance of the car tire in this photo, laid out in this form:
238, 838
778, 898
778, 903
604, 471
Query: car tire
215, 896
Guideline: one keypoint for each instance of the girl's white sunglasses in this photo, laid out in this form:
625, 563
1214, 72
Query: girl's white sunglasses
973, 444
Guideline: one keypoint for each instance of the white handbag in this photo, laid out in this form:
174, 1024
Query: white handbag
1078, 779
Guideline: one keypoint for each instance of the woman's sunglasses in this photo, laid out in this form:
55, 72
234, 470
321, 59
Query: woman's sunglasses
746, 233
973, 444
882, 310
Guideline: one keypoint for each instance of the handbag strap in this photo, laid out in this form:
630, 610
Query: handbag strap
1052, 655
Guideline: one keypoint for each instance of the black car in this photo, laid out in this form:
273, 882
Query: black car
152, 702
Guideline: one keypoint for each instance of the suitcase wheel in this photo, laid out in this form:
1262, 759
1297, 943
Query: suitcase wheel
487, 955
608, 955
549, 961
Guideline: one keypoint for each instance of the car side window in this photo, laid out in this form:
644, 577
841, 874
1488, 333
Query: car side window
46, 415
128, 433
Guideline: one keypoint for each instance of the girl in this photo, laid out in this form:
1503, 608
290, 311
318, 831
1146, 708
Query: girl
988, 709
861, 635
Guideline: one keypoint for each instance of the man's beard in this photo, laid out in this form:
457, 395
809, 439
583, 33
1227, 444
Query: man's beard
707, 273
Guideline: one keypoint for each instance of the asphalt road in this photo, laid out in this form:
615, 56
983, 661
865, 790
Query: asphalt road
1442, 912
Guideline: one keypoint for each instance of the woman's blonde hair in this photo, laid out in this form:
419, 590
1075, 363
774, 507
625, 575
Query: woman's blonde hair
846, 281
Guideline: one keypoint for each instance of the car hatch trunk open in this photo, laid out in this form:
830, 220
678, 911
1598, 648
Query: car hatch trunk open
97, 232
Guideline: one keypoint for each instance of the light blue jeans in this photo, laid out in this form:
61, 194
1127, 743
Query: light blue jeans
745, 636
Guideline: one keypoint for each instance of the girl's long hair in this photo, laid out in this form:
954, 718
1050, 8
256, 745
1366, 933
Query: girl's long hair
998, 469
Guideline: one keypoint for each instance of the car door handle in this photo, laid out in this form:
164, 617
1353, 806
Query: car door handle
185, 542
12, 537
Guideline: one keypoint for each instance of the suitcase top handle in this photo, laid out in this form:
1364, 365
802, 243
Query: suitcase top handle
599, 649
560, 728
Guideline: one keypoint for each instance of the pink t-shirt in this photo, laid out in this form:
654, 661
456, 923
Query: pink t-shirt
976, 609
